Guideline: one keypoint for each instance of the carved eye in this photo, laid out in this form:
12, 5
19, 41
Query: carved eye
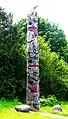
30, 23
34, 20
30, 61
31, 82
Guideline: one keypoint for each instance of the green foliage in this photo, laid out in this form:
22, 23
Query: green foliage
12, 59
53, 73
51, 32
21, 31
8, 103
49, 101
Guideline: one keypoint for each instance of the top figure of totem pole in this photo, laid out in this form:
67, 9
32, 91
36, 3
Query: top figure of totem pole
32, 61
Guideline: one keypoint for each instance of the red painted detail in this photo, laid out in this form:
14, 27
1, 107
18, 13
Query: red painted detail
34, 30
33, 65
34, 89
32, 26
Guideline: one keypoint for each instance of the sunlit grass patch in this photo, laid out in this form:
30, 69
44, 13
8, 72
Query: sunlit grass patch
12, 114
7, 111
64, 106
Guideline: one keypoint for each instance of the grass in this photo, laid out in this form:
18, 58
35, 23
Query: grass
7, 111
12, 114
64, 106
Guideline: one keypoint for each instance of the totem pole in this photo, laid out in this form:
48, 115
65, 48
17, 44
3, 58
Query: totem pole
32, 61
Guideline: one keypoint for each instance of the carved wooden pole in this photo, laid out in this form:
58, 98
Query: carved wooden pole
32, 61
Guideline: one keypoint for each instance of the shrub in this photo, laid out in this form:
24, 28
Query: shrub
49, 101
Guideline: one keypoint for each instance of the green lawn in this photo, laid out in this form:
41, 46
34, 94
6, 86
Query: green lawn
7, 111
64, 106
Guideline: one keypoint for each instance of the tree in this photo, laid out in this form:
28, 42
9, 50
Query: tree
21, 31
12, 58
51, 32
53, 72
7, 51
